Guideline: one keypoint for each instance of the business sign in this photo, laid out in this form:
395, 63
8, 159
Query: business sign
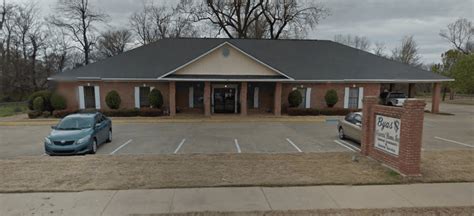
387, 134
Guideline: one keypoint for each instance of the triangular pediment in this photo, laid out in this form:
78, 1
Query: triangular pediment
226, 60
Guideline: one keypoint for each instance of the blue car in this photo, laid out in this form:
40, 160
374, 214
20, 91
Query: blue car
78, 134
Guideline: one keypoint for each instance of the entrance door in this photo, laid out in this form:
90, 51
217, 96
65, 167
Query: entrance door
224, 100
89, 96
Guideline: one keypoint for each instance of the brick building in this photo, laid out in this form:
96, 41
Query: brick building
243, 76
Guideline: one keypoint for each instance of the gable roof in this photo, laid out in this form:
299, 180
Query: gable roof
296, 60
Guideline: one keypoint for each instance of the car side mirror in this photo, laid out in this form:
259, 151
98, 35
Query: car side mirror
97, 125
53, 127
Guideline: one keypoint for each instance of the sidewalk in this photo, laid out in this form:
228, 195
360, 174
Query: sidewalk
238, 199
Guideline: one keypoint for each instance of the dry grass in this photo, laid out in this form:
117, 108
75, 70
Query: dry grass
439, 211
197, 170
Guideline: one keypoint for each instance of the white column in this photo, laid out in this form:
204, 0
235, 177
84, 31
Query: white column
346, 97
191, 97
97, 97
82, 104
255, 98
308, 98
137, 97
361, 96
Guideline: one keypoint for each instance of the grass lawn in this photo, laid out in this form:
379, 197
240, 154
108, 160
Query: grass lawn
12, 109
103, 172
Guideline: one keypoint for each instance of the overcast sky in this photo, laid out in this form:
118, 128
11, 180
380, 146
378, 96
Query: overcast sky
384, 21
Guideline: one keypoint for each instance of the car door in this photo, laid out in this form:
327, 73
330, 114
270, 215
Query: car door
347, 126
352, 128
101, 129
357, 127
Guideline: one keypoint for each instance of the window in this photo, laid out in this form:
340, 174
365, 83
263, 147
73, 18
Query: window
89, 97
354, 118
353, 98
144, 92
357, 118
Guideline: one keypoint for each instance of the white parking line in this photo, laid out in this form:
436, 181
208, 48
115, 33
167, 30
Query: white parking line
345, 146
179, 146
456, 142
237, 145
294, 145
123, 145
349, 144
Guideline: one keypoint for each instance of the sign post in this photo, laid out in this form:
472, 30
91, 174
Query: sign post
393, 135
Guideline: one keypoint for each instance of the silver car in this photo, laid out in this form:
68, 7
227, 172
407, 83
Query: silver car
351, 127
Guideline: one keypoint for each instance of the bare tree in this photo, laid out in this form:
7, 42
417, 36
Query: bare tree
114, 42
79, 18
379, 49
157, 22
407, 52
259, 18
234, 17
139, 21
282, 16
460, 34
358, 42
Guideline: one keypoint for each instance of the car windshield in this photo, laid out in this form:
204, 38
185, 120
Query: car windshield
75, 123
397, 95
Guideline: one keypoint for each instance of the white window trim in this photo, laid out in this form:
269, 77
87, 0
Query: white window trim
308, 98
346, 97
97, 96
361, 96
82, 103
255, 97
137, 97
191, 96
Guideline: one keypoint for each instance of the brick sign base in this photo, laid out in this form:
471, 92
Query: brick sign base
407, 161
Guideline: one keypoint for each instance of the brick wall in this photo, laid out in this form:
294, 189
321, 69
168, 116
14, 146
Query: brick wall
411, 116
126, 91
318, 91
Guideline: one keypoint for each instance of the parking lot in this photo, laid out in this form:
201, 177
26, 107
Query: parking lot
441, 132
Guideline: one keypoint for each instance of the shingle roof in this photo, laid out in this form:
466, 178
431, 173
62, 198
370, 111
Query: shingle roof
302, 60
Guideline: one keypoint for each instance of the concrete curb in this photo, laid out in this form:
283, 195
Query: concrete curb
239, 199
175, 120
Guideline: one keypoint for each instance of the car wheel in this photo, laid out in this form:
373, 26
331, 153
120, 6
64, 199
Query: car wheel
341, 133
94, 147
390, 104
109, 138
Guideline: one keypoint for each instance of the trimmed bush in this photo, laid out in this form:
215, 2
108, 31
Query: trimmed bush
46, 114
38, 104
34, 114
46, 95
150, 112
155, 98
303, 112
331, 97
121, 112
113, 100
58, 102
295, 98
63, 113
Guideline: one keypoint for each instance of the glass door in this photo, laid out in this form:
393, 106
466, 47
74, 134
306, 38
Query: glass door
224, 100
